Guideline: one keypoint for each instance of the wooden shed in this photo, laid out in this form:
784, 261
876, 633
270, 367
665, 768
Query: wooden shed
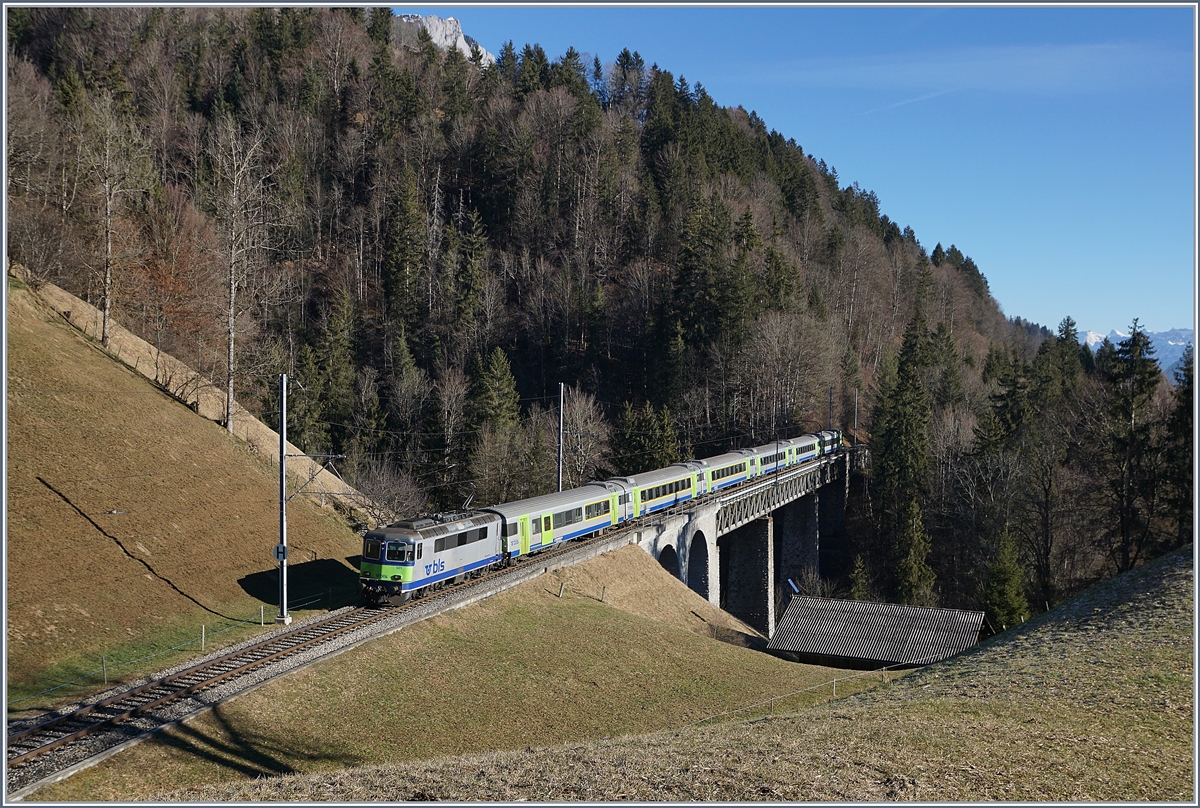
856, 634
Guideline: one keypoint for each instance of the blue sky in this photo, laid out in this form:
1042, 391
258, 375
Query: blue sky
1055, 146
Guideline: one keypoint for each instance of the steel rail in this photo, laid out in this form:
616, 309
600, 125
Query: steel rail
254, 656
293, 642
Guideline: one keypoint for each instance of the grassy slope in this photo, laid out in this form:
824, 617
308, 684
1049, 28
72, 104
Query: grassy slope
522, 669
86, 435
1092, 701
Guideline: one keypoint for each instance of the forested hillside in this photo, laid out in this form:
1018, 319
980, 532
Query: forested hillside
429, 247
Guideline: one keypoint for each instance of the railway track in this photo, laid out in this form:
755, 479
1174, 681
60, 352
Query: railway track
55, 745
57, 731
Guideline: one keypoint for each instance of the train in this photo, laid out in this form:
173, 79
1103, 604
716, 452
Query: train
411, 557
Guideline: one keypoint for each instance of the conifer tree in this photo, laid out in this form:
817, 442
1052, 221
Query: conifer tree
1179, 455
379, 29
1129, 452
493, 397
901, 453
335, 369
915, 578
860, 580
1004, 598
403, 253
647, 439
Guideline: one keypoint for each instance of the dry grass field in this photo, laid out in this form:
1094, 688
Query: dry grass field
521, 670
132, 522
530, 697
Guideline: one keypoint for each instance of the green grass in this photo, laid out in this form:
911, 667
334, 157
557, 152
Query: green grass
174, 639
520, 670
1090, 702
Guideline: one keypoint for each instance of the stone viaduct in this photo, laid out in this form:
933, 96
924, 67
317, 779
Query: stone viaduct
740, 548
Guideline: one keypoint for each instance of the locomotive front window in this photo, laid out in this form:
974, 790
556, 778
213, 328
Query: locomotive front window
399, 552
371, 549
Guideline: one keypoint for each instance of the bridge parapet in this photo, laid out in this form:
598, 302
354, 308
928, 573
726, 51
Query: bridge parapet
754, 502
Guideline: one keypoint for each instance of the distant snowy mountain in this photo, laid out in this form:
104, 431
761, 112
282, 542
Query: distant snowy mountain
1168, 345
445, 32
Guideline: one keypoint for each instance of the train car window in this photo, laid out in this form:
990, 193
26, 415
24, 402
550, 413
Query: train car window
483, 532
568, 517
439, 545
419, 546
371, 549
395, 551
597, 509
545, 523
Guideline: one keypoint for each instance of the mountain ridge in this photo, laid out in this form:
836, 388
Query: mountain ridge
1168, 345
446, 33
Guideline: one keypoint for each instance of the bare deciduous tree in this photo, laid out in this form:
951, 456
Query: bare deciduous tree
585, 438
118, 162
239, 200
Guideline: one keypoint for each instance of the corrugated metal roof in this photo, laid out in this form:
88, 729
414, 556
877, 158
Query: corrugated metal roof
883, 633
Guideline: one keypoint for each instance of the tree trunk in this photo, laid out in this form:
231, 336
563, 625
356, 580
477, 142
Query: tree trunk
105, 335
230, 334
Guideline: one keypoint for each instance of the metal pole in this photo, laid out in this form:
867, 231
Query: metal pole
283, 617
855, 416
561, 399
830, 407
104, 667
203, 631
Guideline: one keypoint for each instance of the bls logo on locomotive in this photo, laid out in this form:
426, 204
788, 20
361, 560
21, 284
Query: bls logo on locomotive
435, 567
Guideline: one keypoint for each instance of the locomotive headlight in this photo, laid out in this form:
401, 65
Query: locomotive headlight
395, 577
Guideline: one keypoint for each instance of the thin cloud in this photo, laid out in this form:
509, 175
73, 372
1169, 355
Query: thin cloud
1039, 69
906, 102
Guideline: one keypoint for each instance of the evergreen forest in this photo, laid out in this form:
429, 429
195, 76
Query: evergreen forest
429, 245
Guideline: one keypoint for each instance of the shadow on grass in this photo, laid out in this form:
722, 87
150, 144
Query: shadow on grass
248, 754
311, 579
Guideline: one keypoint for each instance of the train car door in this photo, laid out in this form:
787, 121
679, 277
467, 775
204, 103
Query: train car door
613, 503
547, 530
523, 531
